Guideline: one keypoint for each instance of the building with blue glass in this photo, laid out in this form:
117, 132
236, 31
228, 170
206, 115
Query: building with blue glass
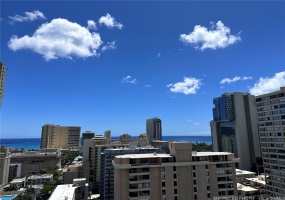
234, 129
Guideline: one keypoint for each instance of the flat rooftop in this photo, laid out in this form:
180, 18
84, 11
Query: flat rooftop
256, 180
244, 172
40, 176
194, 153
63, 192
145, 155
245, 188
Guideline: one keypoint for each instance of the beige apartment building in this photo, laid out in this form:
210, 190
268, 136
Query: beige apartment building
182, 175
4, 165
55, 136
271, 121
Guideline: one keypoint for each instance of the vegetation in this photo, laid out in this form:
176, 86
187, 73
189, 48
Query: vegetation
202, 146
69, 158
11, 187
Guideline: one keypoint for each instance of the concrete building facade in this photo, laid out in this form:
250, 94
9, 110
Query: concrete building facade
153, 129
4, 166
3, 71
234, 129
107, 169
55, 136
182, 174
87, 135
271, 121
33, 162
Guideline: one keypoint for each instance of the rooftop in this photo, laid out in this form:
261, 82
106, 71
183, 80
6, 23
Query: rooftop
194, 153
145, 155
245, 188
40, 176
63, 192
243, 172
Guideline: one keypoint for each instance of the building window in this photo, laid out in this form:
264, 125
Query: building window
175, 191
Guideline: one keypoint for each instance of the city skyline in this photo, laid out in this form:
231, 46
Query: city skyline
112, 65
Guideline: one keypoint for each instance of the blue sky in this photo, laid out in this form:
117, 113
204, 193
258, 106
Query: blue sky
111, 65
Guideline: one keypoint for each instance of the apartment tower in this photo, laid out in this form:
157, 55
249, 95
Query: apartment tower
234, 129
271, 121
55, 136
182, 174
153, 129
3, 71
87, 135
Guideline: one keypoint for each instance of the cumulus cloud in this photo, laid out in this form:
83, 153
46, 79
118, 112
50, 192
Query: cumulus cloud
236, 78
29, 16
268, 84
110, 22
218, 36
91, 25
129, 79
188, 86
59, 38
109, 46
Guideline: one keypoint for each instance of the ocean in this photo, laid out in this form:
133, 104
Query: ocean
34, 143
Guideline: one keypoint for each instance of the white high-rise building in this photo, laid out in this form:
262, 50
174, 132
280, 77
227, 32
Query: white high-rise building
271, 121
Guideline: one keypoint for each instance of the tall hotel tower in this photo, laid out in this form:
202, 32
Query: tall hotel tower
234, 128
271, 120
55, 136
3, 70
153, 129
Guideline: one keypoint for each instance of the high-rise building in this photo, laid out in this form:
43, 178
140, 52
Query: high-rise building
153, 129
271, 121
3, 71
107, 169
182, 174
55, 136
92, 150
234, 129
87, 135
4, 165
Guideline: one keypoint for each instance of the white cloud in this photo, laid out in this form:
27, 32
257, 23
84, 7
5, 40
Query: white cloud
59, 38
236, 78
29, 16
189, 120
91, 25
147, 86
188, 86
129, 79
158, 55
110, 22
267, 84
109, 46
218, 36
196, 123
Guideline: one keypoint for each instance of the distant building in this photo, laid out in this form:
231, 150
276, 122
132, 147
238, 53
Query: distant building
125, 138
153, 129
55, 136
107, 134
92, 150
243, 174
234, 129
107, 169
14, 171
4, 165
39, 179
271, 121
76, 191
182, 174
72, 172
87, 135
33, 161
3, 71
142, 140
252, 188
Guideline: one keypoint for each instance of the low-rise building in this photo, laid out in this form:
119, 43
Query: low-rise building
253, 187
33, 161
39, 179
71, 172
76, 191
243, 174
